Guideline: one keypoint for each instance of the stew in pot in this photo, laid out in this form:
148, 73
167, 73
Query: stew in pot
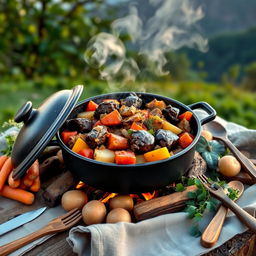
128, 131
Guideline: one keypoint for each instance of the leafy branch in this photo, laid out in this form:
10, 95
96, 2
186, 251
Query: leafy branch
200, 200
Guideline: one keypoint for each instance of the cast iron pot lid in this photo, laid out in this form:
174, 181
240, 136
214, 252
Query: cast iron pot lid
40, 126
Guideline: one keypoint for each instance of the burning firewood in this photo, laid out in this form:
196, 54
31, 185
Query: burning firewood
162, 205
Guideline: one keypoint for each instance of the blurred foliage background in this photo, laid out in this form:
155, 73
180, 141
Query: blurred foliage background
42, 45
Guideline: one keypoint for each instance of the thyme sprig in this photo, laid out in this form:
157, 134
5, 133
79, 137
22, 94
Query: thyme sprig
201, 200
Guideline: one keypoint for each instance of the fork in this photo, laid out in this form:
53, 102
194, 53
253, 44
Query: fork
59, 224
218, 192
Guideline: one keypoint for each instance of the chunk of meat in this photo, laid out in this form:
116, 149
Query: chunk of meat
127, 111
142, 141
156, 112
81, 125
132, 100
105, 107
156, 104
171, 113
138, 117
184, 125
166, 138
97, 136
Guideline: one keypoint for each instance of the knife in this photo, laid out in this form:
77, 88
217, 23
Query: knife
20, 220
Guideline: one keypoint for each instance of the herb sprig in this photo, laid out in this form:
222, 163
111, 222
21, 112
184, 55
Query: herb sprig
10, 139
200, 200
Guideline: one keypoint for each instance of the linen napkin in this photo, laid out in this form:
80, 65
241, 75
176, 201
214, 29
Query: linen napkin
167, 234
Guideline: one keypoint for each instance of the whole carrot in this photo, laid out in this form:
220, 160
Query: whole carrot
13, 183
26, 181
36, 185
5, 172
3, 158
33, 171
22, 186
17, 194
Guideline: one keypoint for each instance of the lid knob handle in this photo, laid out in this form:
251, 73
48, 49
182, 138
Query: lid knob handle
23, 113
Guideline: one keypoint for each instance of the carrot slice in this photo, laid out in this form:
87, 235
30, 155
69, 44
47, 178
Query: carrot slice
65, 135
17, 194
5, 172
187, 115
125, 157
87, 152
91, 106
117, 142
136, 127
113, 118
185, 140
145, 112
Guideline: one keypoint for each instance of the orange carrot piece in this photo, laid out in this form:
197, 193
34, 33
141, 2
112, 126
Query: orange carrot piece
145, 112
117, 142
22, 186
185, 140
5, 172
186, 115
65, 135
36, 185
2, 160
26, 181
113, 118
136, 127
33, 171
92, 106
17, 194
125, 157
13, 183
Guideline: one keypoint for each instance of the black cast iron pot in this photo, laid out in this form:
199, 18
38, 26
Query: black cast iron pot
42, 124
139, 177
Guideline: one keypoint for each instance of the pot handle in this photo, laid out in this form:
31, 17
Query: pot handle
206, 107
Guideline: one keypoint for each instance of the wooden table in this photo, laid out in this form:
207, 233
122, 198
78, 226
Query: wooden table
240, 245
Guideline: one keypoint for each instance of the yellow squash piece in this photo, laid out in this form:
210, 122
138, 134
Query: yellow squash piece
171, 127
88, 115
79, 145
157, 154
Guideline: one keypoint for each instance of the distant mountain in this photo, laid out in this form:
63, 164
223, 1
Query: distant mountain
220, 15
225, 51
227, 15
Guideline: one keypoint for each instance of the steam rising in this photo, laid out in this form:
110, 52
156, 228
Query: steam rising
171, 26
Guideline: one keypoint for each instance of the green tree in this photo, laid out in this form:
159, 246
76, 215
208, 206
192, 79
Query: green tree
46, 36
250, 76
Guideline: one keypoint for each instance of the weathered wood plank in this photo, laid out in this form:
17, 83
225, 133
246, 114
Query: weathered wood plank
55, 246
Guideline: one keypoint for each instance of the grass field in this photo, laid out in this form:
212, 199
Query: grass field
231, 103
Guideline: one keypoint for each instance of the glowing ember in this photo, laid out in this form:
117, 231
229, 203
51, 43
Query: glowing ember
149, 196
107, 196
80, 185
